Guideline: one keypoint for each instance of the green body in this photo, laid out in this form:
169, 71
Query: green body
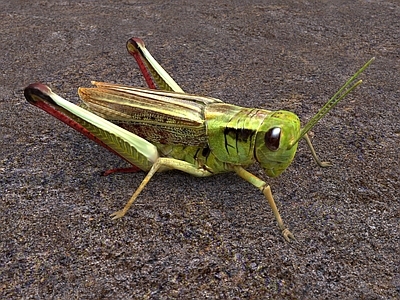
203, 131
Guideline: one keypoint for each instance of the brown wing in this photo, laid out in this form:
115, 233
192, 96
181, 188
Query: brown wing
158, 116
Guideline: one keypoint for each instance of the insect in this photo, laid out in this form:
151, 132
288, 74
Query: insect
167, 129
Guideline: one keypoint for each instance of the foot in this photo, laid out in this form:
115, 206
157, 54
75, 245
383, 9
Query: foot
325, 164
288, 235
118, 214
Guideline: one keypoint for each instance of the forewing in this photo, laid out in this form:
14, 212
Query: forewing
158, 116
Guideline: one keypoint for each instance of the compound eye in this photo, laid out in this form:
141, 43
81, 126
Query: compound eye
272, 138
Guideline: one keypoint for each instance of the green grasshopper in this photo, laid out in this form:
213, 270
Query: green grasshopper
159, 130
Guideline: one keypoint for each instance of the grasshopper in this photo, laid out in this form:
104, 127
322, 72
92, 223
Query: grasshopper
167, 129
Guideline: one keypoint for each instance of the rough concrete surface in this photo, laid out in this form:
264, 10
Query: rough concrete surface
216, 237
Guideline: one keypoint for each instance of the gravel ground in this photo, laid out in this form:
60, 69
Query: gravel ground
216, 237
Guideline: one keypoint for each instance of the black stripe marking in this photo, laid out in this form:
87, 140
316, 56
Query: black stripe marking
239, 134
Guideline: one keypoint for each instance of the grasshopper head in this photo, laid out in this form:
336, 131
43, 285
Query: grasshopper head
279, 134
274, 148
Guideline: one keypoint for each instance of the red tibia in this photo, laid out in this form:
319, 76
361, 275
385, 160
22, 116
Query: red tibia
134, 50
132, 169
78, 127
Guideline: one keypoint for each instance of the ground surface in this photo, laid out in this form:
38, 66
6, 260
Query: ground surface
210, 238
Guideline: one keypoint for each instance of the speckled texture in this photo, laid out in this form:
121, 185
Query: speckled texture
186, 237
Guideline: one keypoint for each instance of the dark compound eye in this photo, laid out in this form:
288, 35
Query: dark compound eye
272, 138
